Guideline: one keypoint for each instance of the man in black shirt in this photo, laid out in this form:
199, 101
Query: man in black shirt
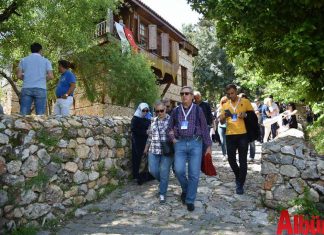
205, 107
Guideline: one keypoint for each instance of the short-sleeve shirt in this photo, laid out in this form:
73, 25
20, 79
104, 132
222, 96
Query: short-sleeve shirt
264, 110
64, 84
35, 68
236, 127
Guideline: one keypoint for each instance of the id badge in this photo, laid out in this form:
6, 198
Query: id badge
184, 125
234, 117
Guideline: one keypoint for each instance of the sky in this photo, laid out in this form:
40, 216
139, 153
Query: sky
176, 12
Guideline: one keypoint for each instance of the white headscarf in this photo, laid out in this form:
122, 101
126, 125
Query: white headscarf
141, 106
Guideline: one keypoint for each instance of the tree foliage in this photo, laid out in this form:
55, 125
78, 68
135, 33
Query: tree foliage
66, 29
280, 37
63, 27
212, 71
127, 78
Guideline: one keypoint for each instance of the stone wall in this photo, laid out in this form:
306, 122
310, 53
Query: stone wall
51, 165
289, 165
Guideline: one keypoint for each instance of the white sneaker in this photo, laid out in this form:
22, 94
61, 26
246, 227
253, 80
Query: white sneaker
162, 199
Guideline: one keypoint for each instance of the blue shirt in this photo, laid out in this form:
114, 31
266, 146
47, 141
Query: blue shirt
64, 83
35, 68
264, 110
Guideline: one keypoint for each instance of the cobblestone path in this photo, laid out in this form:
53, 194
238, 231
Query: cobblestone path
135, 209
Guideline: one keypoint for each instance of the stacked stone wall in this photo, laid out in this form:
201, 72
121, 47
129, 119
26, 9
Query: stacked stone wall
51, 165
288, 166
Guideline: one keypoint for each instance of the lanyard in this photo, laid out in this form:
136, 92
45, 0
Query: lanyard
184, 114
234, 108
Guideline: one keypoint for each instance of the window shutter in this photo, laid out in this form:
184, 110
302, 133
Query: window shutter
165, 45
152, 36
175, 52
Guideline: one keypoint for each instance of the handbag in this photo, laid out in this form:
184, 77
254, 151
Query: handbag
207, 166
166, 146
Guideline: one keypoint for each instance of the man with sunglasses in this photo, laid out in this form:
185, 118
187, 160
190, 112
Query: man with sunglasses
233, 113
188, 130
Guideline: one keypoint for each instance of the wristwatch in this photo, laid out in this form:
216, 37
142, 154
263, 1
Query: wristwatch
66, 95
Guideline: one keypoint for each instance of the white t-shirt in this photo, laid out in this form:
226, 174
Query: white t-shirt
275, 109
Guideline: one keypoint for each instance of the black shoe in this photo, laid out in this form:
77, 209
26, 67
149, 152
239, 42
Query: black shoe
190, 207
183, 198
239, 188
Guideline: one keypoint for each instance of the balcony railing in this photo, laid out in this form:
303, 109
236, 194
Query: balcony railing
102, 28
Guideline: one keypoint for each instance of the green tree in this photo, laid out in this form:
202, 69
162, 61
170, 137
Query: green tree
127, 78
66, 28
212, 71
280, 37
63, 27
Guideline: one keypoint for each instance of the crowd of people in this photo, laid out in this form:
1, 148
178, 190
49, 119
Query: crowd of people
188, 128
175, 137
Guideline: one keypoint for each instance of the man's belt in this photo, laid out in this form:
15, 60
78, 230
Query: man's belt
62, 97
195, 137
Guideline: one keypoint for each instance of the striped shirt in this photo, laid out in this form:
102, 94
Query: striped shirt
153, 139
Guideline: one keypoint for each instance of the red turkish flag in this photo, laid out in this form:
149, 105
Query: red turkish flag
130, 37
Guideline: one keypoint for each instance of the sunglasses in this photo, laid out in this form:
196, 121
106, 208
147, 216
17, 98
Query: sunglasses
159, 111
145, 110
185, 93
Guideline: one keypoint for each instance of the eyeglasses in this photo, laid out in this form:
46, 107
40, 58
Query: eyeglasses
145, 110
159, 111
185, 93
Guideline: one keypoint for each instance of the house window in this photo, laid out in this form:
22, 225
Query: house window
184, 76
143, 35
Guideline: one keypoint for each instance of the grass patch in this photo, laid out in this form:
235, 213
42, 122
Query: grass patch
40, 180
107, 190
113, 172
101, 167
30, 230
43, 136
12, 157
56, 159
118, 139
51, 224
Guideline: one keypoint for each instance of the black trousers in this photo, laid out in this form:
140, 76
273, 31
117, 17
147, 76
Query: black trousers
240, 143
138, 145
274, 128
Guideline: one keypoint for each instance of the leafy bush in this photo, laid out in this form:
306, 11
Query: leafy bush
306, 206
315, 132
127, 78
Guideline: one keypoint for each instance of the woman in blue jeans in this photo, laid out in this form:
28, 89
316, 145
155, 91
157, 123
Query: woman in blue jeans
222, 127
159, 164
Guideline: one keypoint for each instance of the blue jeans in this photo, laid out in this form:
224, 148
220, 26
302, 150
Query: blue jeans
222, 137
252, 149
30, 95
159, 167
188, 150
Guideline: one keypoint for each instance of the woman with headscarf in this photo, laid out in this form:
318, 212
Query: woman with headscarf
139, 127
